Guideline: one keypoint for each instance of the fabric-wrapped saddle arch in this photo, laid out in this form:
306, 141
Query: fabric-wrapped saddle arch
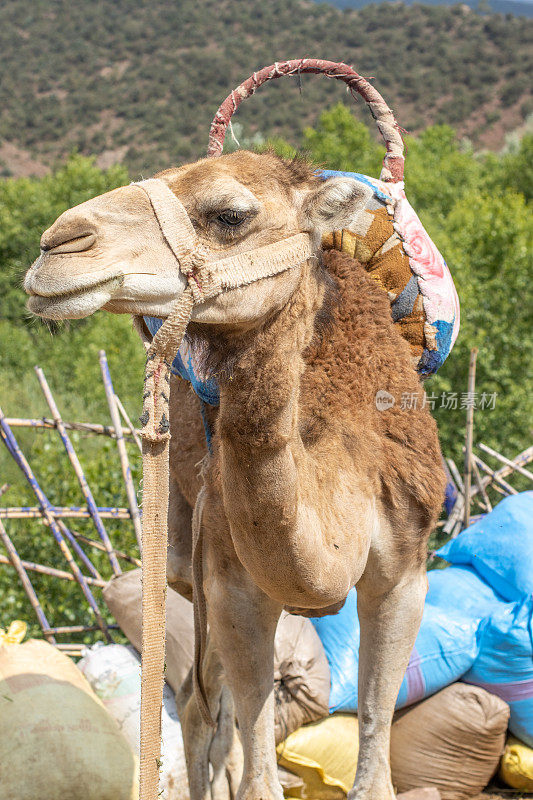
387, 237
393, 246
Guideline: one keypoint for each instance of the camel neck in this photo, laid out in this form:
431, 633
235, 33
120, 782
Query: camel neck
258, 428
260, 390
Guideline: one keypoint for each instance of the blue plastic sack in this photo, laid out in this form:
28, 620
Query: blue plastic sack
445, 648
340, 635
504, 665
463, 590
499, 547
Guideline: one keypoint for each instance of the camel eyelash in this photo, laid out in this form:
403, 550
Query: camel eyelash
231, 218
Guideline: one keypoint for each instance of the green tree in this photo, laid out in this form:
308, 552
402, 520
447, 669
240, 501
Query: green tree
28, 206
488, 241
339, 139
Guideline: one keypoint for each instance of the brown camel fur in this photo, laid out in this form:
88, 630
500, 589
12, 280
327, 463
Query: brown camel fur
310, 489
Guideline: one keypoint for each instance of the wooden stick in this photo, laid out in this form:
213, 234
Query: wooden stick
18, 565
74, 650
469, 434
12, 445
71, 652
495, 476
78, 549
525, 472
123, 454
52, 572
79, 628
63, 512
74, 460
521, 459
458, 527
481, 486
456, 474
85, 427
457, 513
99, 546
129, 423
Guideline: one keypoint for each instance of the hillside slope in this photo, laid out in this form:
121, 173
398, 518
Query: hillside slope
521, 8
139, 81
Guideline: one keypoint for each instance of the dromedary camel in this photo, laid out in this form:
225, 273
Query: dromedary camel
310, 489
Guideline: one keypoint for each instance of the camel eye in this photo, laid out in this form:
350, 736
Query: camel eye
231, 218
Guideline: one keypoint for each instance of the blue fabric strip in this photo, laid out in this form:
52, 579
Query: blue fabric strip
331, 173
207, 391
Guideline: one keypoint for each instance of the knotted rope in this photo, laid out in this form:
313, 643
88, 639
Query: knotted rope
205, 279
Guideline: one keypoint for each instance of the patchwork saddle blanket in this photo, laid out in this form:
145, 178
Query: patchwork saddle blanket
388, 238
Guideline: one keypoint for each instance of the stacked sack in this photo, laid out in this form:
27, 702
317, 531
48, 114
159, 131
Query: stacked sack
499, 548
301, 673
114, 674
57, 740
477, 627
451, 742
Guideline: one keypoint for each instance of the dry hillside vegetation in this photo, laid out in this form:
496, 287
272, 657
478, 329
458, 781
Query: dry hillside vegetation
139, 81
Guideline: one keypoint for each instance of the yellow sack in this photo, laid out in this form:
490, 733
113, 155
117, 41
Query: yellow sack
324, 755
57, 741
516, 767
14, 634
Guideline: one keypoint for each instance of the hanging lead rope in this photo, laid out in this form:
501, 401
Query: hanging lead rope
205, 279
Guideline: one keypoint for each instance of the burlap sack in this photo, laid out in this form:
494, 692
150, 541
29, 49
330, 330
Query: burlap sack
301, 675
452, 740
123, 598
516, 767
301, 671
57, 741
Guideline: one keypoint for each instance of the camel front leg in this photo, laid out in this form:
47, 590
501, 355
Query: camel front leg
243, 624
389, 624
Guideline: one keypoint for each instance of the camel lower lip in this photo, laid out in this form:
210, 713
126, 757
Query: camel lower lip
74, 292
74, 305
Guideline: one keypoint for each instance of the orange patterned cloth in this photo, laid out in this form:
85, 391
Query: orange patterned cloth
389, 240
379, 248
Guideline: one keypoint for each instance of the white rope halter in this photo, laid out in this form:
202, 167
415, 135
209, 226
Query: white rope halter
205, 279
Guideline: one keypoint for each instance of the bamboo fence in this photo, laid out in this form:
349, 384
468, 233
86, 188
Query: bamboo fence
73, 548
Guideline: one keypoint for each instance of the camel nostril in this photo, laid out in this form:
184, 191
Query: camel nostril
67, 242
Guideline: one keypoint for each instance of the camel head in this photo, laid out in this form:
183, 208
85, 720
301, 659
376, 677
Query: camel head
110, 252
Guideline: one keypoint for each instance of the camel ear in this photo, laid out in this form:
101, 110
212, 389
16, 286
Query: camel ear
334, 204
